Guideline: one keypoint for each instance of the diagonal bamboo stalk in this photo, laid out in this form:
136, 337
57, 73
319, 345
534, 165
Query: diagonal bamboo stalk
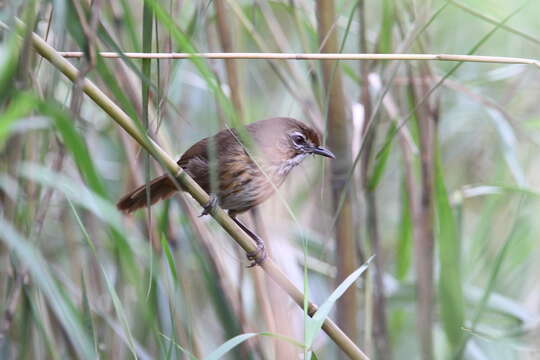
314, 56
122, 119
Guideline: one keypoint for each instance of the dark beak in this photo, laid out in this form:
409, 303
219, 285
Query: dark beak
323, 152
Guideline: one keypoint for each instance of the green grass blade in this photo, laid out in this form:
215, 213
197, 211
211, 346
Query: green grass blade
185, 45
229, 345
454, 68
117, 304
39, 270
21, 105
76, 145
120, 312
188, 353
508, 145
87, 313
493, 21
315, 323
100, 207
381, 161
385, 34
8, 65
170, 258
148, 20
108, 77
76, 192
405, 234
496, 269
450, 281
129, 23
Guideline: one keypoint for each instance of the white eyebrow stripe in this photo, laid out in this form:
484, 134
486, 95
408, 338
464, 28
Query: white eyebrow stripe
298, 133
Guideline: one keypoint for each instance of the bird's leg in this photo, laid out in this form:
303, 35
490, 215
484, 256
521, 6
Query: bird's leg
212, 203
258, 256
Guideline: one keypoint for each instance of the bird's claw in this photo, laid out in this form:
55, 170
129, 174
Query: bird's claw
258, 256
208, 208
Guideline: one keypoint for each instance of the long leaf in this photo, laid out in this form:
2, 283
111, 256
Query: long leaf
228, 346
21, 105
450, 284
381, 161
404, 246
8, 64
76, 144
39, 270
315, 323
185, 45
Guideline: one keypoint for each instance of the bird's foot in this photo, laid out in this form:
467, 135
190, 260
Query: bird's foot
258, 256
208, 208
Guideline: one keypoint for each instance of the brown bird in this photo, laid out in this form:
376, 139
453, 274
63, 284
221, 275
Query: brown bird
243, 178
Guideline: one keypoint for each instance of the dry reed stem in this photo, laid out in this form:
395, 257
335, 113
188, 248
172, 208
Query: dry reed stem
423, 224
314, 56
379, 331
339, 140
122, 119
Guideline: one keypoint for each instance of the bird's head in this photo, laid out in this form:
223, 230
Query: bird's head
303, 139
286, 142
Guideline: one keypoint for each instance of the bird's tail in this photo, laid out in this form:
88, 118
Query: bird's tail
160, 188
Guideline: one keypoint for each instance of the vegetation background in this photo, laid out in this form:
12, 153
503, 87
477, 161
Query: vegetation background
437, 175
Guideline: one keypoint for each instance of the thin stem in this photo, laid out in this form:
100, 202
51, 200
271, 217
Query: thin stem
314, 56
339, 141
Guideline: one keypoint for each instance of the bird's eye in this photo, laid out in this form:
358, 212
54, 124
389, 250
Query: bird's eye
299, 139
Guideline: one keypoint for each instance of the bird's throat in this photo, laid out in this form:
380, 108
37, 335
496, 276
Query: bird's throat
286, 166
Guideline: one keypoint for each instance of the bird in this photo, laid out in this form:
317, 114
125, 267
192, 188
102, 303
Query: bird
240, 169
